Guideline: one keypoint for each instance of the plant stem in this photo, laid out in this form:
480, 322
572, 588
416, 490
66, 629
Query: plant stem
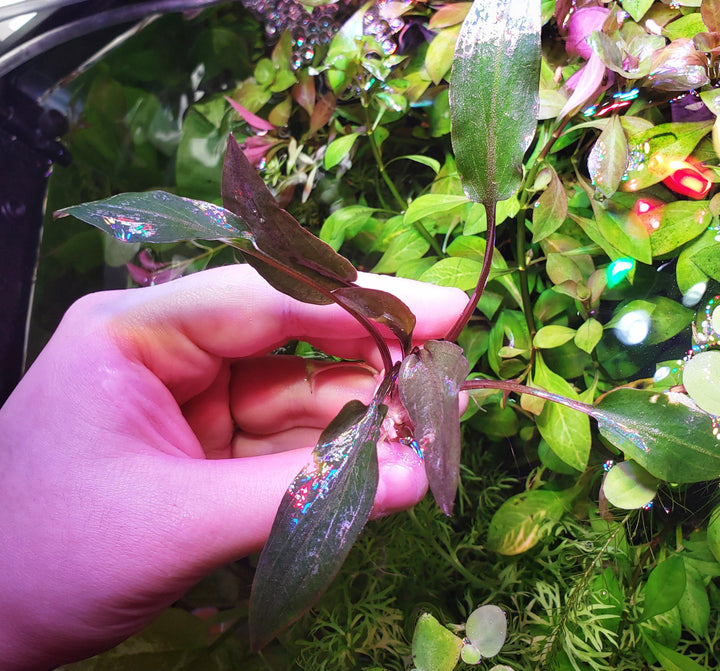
454, 333
417, 225
512, 386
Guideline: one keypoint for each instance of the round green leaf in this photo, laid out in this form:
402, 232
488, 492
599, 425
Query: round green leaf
628, 485
487, 629
434, 647
701, 377
470, 654
588, 335
665, 585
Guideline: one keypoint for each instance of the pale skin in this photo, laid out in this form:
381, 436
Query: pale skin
153, 439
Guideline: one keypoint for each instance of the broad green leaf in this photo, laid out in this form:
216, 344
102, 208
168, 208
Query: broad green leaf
553, 336
494, 86
487, 629
523, 519
624, 232
429, 384
608, 158
681, 221
345, 223
565, 430
405, 244
550, 209
637, 8
338, 149
474, 342
664, 587
653, 151
319, 518
280, 237
157, 216
650, 321
694, 604
434, 647
686, 26
588, 335
438, 58
713, 533
670, 659
664, 432
457, 272
432, 204
628, 485
700, 377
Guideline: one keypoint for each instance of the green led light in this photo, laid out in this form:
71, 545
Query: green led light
618, 270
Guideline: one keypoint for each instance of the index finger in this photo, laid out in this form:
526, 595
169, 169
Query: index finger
231, 312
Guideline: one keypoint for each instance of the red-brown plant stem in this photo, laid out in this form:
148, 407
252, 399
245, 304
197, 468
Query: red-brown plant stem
455, 331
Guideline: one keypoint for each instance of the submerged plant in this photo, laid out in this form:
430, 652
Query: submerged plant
663, 435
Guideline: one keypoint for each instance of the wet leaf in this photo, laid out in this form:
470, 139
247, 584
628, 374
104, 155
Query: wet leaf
637, 8
664, 432
457, 272
608, 158
670, 659
550, 209
713, 533
157, 216
523, 519
660, 317
710, 13
681, 221
624, 231
487, 628
432, 204
588, 335
434, 647
338, 149
318, 520
439, 56
382, 307
664, 587
628, 485
429, 383
494, 86
279, 236
694, 604
553, 336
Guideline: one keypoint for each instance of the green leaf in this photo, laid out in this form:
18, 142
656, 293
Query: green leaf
681, 221
671, 660
431, 205
494, 86
664, 587
157, 216
637, 8
487, 629
457, 272
628, 485
338, 149
588, 335
656, 149
553, 336
434, 647
624, 232
661, 319
345, 223
685, 27
664, 432
700, 378
608, 158
694, 604
713, 532
438, 58
428, 161
523, 519
550, 209
318, 520
565, 430
429, 384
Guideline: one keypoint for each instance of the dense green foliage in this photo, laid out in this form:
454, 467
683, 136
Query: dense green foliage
605, 257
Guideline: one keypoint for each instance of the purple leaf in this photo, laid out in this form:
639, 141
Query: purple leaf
278, 235
317, 523
429, 384
382, 307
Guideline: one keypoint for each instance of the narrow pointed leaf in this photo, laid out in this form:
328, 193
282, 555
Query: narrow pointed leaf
381, 307
276, 232
665, 433
494, 94
158, 216
319, 518
429, 384
608, 158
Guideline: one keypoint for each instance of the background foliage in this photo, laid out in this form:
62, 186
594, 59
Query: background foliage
605, 259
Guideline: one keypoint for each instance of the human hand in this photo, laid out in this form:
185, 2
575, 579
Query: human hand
118, 493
